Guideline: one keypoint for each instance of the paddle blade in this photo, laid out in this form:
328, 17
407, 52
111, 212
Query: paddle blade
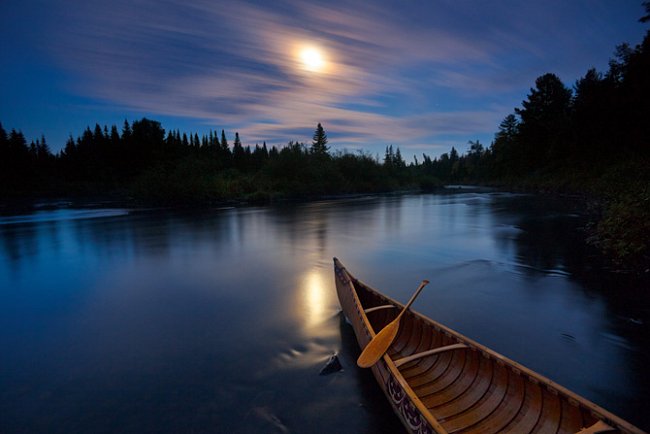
378, 345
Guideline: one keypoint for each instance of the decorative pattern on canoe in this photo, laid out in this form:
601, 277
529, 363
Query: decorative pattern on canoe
410, 414
465, 388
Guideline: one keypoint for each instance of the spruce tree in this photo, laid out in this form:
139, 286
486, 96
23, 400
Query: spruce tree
126, 131
238, 154
319, 142
224, 141
543, 129
399, 161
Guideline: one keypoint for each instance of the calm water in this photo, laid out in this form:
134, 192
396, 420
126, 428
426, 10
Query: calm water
115, 320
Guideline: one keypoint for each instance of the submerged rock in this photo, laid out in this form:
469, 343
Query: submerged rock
333, 365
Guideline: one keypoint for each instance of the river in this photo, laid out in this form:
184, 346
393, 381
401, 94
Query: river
118, 320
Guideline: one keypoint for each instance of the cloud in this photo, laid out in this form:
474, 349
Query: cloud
395, 74
234, 64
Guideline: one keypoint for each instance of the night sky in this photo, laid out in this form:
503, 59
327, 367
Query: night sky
422, 75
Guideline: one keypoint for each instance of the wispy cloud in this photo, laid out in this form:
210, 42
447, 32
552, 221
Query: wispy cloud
407, 76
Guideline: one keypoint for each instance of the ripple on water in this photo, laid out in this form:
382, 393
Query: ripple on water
63, 215
617, 341
301, 356
266, 415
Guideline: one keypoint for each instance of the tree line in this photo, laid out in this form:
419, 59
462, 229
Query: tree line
592, 139
565, 138
143, 161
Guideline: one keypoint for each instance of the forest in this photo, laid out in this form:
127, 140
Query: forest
591, 139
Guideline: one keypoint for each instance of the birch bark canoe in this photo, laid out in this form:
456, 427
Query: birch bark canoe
439, 381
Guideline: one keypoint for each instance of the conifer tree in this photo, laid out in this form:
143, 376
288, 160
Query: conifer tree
319, 142
126, 131
238, 153
115, 136
453, 155
224, 141
389, 156
544, 121
399, 161
43, 150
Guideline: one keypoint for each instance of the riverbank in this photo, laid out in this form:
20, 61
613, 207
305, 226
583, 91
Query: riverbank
617, 199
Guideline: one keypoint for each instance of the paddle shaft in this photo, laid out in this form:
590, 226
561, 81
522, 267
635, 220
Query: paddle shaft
413, 297
382, 340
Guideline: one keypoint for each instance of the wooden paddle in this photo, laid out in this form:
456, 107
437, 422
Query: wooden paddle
382, 340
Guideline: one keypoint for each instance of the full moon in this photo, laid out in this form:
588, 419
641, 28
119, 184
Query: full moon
312, 59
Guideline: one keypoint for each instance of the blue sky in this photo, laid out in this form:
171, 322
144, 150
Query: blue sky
421, 75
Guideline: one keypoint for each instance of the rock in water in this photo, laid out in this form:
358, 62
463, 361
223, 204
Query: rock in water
333, 365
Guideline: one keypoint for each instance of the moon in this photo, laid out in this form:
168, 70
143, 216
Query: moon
312, 59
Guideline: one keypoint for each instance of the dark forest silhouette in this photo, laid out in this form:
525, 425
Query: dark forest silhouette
593, 138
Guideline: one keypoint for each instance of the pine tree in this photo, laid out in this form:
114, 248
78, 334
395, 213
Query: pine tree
115, 136
544, 121
224, 141
389, 156
126, 131
319, 142
507, 158
453, 155
238, 153
43, 150
399, 161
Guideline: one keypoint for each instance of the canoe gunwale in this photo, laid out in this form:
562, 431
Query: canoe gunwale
393, 370
518, 369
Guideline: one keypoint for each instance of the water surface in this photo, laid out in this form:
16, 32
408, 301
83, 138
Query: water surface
117, 320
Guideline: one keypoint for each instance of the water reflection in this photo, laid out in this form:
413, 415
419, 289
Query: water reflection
531, 228
315, 298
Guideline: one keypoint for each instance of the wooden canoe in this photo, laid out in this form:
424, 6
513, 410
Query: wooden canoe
439, 381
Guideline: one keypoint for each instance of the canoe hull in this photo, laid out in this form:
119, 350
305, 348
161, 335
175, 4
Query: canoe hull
439, 381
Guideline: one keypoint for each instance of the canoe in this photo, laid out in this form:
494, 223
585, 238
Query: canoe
439, 381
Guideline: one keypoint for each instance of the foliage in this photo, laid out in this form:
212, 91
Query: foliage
624, 230
152, 165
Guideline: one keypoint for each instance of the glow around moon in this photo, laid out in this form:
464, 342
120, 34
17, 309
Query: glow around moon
312, 59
